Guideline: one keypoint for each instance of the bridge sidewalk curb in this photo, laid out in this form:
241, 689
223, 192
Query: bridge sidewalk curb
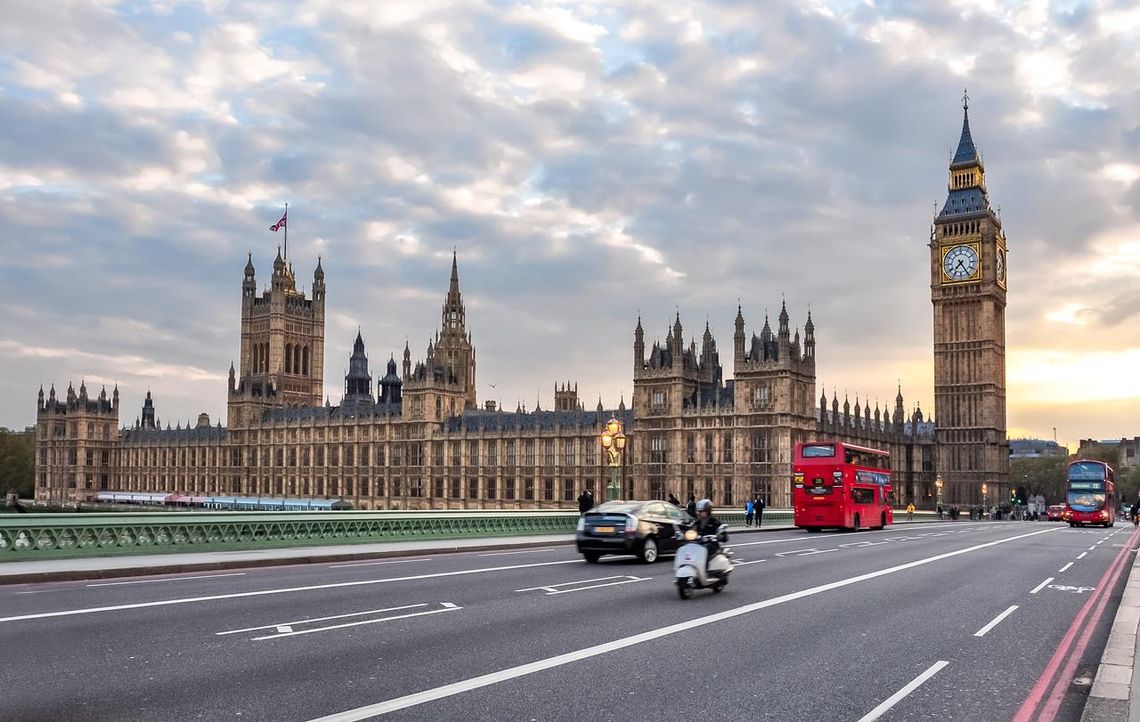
1115, 694
37, 572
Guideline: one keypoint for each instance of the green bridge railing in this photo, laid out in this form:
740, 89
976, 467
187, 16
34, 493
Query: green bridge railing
56, 536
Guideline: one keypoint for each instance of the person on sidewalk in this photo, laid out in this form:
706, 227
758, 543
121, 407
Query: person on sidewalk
585, 502
691, 507
748, 508
674, 500
758, 506
910, 511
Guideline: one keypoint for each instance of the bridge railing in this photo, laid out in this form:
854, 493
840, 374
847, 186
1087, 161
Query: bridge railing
55, 536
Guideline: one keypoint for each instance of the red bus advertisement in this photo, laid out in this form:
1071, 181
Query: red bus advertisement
1090, 494
841, 486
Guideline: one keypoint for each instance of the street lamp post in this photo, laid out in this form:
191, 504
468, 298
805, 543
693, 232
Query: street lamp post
613, 441
985, 499
938, 486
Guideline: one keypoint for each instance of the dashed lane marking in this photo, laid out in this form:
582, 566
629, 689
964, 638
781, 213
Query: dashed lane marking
996, 621
898, 696
1041, 586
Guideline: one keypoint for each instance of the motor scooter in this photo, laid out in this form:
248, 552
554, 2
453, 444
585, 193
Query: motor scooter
692, 567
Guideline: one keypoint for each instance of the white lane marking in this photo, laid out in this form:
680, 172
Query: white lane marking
898, 696
744, 564
595, 586
805, 552
284, 628
285, 590
554, 588
524, 551
862, 544
373, 564
1041, 586
996, 621
176, 579
319, 619
1065, 567
550, 587
357, 624
1092, 548
1082, 555
448, 690
769, 541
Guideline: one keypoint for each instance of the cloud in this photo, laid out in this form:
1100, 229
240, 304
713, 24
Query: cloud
586, 160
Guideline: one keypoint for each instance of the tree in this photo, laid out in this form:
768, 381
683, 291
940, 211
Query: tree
1109, 454
17, 462
1044, 475
1128, 485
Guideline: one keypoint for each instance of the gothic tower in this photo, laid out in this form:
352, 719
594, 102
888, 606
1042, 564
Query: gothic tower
443, 384
358, 381
453, 347
968, 291
282, 344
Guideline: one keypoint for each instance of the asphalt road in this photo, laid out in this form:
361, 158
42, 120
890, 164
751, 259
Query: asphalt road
945, 621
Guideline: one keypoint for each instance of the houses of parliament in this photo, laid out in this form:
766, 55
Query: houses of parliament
416, 437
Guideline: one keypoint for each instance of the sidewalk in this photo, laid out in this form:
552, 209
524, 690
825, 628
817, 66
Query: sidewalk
1115, 694
55, 570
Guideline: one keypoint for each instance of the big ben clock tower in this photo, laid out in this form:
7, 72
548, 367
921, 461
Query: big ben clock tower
968, 278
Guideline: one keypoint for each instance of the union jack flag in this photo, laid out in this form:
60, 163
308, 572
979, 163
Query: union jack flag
279, 224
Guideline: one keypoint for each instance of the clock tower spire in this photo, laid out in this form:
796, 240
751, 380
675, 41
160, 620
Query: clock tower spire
968, 291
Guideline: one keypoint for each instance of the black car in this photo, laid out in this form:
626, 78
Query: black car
642, 528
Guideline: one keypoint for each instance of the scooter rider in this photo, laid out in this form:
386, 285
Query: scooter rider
707, 524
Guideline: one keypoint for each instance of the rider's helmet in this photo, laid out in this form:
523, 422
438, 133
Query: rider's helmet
704, 505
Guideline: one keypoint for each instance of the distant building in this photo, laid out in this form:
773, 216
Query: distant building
1128, 449
1035, 448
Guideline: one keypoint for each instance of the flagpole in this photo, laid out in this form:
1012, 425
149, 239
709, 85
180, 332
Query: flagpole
286, 230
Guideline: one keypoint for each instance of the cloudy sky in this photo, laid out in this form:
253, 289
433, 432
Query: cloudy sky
589, 161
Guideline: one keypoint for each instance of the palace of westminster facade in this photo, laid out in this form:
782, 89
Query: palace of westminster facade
420, 441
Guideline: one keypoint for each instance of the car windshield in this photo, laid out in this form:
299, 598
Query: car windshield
618, 507
1086, 501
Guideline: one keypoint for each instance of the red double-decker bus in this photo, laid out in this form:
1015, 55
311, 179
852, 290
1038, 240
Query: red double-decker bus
841, 486
1090, 494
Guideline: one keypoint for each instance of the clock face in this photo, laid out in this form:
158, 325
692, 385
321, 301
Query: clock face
960, 263
1001, 266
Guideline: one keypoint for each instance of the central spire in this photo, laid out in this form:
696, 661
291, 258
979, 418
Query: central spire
453, 312
967, 154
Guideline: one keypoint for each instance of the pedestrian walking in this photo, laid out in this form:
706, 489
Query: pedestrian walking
910, 511
748, 508
691, 507
759, 509
585, 502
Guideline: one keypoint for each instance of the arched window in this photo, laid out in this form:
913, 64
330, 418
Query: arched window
297, 360
305, 361
288, 358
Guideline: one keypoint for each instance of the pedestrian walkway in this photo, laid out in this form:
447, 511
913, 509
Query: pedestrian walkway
51, 570
1115, 694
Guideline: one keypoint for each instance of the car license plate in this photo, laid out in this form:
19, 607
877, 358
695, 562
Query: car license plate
603, 530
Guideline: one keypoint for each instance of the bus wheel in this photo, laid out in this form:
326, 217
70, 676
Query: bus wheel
812, 529
882, 521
